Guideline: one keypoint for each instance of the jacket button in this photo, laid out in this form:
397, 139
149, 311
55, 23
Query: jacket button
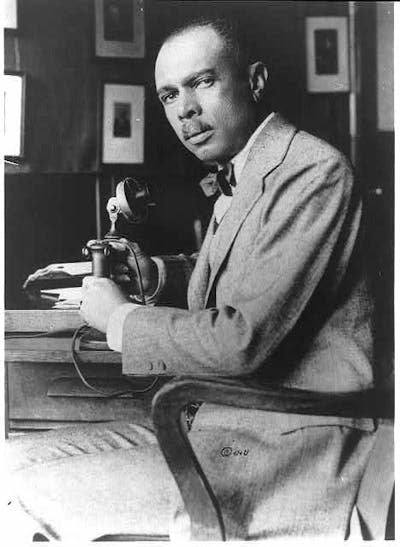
161, 366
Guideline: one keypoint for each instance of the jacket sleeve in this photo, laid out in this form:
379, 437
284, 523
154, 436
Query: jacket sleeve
299, 230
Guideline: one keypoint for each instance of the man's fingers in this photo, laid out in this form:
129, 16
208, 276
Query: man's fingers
122, 278
133, 248
92, 282
121, 268
88, 282
117, 245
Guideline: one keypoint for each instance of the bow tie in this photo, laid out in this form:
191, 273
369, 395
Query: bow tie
222, 180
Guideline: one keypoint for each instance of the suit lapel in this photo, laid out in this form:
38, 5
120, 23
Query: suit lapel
267, 153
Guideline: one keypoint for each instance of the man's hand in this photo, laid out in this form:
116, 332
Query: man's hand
124, 273
100, 298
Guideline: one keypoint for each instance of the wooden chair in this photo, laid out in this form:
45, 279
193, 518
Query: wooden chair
373, 505
375, 500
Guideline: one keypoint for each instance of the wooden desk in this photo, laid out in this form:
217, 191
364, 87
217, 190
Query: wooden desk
43, 389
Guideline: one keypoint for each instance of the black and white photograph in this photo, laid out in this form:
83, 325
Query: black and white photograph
122, 120
123, 123
118, 20
199, 271
326, 51
119, 28
328, 54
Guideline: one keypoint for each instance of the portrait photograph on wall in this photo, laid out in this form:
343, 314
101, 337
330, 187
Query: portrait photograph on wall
123, 123
327, 54
122, 120
119, 28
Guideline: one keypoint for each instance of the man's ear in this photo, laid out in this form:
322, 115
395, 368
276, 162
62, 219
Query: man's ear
258, 76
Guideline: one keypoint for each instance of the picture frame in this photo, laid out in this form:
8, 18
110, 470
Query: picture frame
14, 114
327, 55
119, 28
123, 123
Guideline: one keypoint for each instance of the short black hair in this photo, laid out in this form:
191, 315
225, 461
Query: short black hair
236, 44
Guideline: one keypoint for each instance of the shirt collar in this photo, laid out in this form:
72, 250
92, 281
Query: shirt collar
239, 160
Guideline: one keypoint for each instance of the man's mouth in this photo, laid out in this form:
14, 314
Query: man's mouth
198, 137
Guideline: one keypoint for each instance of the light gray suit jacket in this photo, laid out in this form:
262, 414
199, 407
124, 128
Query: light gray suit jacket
284, 297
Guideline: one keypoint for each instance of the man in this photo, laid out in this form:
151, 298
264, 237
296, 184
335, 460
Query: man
276, 292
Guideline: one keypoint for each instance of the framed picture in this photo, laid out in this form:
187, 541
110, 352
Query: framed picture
119, 28
123, 123
327, 54
14, 114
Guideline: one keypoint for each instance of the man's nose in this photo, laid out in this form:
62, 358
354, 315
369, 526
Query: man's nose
188, 106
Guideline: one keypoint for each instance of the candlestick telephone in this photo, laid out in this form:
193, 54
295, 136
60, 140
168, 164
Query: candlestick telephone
131, 202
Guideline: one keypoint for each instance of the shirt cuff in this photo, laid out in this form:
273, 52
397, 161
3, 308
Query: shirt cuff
115, 325
162, 277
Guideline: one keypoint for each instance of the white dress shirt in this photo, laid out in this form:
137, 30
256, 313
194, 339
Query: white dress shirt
223, 202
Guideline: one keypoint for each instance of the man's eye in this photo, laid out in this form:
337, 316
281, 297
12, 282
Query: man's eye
168, 97
205, 82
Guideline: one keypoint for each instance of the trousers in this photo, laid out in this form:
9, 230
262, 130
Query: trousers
82, 482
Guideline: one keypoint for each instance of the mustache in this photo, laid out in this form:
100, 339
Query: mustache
191, 128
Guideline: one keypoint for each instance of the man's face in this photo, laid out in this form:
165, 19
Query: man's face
208, 106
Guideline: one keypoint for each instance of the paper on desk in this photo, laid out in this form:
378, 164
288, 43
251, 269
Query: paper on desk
71, 268
58, 276
69, 298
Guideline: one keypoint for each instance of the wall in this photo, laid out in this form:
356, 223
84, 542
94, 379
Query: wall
44, 223
385, 62
50, 199
376, 161
54, 46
